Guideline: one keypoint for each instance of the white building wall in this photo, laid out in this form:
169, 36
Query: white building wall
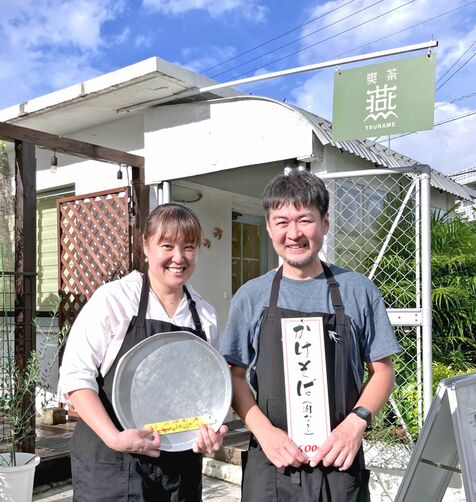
188, 139
212, 276
442, 201
126, 134
336, 161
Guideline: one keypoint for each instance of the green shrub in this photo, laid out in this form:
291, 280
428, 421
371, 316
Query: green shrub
405, 396
441, 372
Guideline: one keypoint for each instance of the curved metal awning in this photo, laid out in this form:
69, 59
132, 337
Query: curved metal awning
366, 149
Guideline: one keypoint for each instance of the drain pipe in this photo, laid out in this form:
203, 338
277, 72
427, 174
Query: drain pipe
163, 192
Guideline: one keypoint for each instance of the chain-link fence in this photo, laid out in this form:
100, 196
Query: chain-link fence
7, 348
376, 230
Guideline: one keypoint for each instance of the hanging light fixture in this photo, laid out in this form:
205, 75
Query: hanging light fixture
54, 162
119, 172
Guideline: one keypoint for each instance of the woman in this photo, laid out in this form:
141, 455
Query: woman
108, 463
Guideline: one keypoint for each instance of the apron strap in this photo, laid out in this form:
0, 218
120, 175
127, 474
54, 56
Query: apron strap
336, 299
144, 301
341, 355
342, 331
333, 290
193, 311
273, 297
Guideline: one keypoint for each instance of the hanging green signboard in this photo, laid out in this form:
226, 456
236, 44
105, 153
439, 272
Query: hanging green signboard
384, 98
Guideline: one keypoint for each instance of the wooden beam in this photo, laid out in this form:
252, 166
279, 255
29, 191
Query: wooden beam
25, 272
12, 132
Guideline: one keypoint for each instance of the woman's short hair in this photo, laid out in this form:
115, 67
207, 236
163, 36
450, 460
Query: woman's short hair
171, 220
301, 188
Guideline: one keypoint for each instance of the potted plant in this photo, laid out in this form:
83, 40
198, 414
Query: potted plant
19, 389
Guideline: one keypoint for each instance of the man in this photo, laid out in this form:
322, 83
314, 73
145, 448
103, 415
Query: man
357, 332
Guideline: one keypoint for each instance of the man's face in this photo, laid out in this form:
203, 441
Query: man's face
297, 235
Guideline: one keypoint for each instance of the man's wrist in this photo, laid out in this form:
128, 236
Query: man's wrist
364, 414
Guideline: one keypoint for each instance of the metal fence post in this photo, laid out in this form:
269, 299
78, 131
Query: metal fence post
426, 286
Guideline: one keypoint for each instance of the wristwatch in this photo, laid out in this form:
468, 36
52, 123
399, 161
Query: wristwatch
363, 413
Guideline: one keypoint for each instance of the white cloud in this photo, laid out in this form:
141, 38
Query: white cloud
454, 31
341, 33
456, 44
34, 73
315, 93
448, 147
47, 44
142, 42
213, 56
120, 38
249, 9
54, 22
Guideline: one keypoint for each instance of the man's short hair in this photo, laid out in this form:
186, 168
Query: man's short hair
300, 188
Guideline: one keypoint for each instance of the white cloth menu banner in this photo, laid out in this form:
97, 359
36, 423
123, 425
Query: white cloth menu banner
306, 382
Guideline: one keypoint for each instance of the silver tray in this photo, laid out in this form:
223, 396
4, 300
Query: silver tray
169, 376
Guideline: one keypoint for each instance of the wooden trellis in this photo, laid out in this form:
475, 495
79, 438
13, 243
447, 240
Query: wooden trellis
94, 246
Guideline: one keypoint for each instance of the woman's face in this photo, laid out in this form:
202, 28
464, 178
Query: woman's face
171, 260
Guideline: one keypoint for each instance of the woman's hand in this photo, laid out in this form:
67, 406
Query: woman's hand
141, 441
92, 411
208, 440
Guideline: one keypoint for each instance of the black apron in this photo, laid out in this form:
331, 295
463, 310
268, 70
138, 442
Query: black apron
101, 474
262, 481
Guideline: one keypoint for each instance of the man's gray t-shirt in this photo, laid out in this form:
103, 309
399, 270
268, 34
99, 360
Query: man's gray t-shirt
372, 334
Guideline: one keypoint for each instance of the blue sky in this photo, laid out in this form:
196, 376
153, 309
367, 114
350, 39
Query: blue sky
50, 44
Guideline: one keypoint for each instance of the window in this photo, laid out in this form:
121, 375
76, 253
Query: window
349, 208
248, 249
47, 249
358, 210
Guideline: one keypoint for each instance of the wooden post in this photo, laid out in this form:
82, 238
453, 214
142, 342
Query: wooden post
140, 210
25, 269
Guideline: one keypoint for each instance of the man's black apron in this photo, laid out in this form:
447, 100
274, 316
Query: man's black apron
264, 482
101, 474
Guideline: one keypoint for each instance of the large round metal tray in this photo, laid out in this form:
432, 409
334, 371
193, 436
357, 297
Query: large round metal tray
170, 376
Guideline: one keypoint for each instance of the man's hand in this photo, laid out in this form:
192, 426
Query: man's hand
280, 449
208, 440
342, 445
277, 446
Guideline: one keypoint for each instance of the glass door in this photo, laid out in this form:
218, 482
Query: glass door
249, 241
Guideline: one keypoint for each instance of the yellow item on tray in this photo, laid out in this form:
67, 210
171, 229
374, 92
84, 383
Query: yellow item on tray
180, 425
